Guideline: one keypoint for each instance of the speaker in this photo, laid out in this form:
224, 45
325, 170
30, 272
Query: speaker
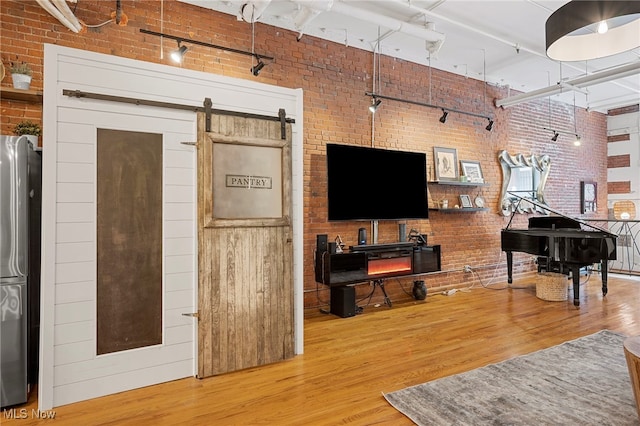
321, 243
343, 301
362, 236
321, 249
402, 232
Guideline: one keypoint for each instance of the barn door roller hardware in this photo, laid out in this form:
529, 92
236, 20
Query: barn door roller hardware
206, 108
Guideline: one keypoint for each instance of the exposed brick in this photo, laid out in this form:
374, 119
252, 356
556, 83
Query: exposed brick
624, 110
619, 187
619, 138
614, 161
334, 78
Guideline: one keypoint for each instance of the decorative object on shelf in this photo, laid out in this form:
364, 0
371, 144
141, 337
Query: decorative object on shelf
339, 244
472, 171
525, 176
29, 129
444, 204
588, 197
21, 75
446, 163
479, 201
465, 201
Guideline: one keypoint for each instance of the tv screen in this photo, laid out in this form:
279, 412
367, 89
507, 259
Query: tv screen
375, 184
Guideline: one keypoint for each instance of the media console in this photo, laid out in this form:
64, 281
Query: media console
373, 262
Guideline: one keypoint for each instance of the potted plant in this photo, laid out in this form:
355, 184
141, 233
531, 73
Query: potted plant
29, 129
21, 75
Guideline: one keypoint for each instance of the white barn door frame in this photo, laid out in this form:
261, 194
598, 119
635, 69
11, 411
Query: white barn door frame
70, 370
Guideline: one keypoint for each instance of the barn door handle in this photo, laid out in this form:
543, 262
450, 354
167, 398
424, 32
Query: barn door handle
191, 314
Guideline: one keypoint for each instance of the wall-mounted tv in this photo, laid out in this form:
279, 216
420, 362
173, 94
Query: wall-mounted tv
375, 184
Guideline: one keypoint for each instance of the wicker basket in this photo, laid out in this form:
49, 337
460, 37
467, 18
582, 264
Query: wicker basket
552, 287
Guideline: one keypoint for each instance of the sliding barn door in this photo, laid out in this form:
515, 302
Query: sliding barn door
245, 301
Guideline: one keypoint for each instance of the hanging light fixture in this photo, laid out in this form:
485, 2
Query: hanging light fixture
178, 54
443, 119
555, 136
573, 31
374, 105
255, 70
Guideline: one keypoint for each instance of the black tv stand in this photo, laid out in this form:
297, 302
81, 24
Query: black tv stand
375, 263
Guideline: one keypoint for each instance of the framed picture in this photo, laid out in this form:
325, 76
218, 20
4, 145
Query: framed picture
446, 163
472, 170
588, 197
465, 201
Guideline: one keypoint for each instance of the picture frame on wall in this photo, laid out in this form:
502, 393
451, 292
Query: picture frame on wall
465, 201
446, 163
588, 197
472, 170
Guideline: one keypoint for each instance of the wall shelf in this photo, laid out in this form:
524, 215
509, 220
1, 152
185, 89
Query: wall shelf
456, 183
32, 96
461, 210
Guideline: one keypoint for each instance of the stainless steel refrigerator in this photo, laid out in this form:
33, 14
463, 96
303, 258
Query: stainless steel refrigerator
16, 160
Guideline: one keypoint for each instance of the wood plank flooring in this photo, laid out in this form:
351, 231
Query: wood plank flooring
350, 362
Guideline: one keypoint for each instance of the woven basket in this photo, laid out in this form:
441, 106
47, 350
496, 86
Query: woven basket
552, 287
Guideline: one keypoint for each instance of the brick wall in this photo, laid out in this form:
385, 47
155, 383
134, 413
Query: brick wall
614, 161
334, 79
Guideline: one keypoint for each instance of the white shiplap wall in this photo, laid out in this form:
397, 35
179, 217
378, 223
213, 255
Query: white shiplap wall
70, 370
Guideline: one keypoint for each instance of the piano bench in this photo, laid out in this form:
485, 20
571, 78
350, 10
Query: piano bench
632, 353
552, 287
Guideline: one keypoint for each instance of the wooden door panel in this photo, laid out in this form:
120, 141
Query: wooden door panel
245, 264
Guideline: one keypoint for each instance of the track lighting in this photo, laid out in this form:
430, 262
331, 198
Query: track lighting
179, 53
443, 119
374, 105
555, 136
445, 112
490, 125
255, 70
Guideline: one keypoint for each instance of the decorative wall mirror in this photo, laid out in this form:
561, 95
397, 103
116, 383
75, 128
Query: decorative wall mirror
525, 176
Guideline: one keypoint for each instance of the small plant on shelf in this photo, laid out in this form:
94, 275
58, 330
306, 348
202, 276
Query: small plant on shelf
20, 68
27, 127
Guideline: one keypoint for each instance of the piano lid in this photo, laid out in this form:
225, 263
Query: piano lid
556, 212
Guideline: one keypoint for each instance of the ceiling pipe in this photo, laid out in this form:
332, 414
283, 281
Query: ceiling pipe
580, 82
435, 38
251, 11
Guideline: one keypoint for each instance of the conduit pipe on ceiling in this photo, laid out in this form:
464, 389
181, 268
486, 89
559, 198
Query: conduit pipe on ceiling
434, 38
580, 82
251, 11
67, 18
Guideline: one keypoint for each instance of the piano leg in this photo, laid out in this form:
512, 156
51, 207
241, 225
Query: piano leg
509, 267
575, 273
603, 272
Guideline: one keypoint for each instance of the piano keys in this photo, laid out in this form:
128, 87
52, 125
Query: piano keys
563, 245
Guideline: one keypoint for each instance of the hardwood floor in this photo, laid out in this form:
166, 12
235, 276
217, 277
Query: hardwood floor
350, 362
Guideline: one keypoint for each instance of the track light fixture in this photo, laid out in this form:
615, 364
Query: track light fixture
255, 70
490, 125
375, 103
205, 44
578, 141
179, 53
443, 119
555, 136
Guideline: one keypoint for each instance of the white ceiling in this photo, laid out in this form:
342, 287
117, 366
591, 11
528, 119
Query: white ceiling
507, 38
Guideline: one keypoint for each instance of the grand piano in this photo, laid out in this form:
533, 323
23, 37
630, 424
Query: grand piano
562, 244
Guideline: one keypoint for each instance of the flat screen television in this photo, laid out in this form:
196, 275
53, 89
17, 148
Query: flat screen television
375, 184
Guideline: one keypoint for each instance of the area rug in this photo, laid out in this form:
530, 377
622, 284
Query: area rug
580, 382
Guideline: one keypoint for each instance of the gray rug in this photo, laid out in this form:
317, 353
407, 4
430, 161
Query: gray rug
580, 382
